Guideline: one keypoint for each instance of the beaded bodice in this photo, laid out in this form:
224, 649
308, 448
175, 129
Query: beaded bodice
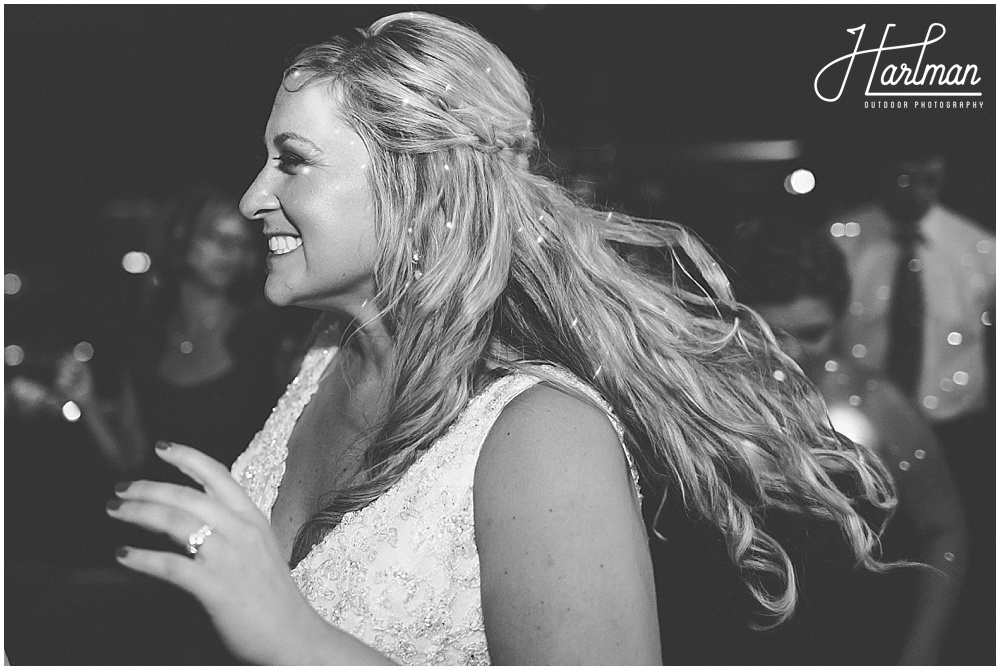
402, 574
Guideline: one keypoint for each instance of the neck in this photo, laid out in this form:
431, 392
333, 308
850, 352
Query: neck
198, 300
201, 311
366, 344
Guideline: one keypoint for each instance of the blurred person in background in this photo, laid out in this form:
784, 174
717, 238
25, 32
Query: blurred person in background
201, 357
208, 358
923, 287
797, 280
921, 311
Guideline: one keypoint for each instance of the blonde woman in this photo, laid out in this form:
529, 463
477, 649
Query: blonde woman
453, 476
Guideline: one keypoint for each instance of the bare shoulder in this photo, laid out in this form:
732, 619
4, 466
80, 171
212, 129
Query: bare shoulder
576, 433
564, 558
550, 443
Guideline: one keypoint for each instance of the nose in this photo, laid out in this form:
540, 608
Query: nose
259, 198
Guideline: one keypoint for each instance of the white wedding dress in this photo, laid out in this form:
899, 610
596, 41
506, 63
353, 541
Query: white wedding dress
402, 574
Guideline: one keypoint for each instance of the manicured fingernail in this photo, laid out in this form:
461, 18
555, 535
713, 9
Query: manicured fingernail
121, 487
113, 504
163, 445
121, 552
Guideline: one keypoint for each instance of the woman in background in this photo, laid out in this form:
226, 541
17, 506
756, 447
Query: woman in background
208, 359
798, 282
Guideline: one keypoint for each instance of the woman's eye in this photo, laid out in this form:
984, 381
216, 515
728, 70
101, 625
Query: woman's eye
813, 335
288, 162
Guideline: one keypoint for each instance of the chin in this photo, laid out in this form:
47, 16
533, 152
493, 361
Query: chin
277, 297
277, 302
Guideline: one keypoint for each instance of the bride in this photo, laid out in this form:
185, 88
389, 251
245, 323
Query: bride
454, 474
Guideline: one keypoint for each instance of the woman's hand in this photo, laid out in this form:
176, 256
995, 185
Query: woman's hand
238, 574
74, 380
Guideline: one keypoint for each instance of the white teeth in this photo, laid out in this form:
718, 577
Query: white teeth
282, 244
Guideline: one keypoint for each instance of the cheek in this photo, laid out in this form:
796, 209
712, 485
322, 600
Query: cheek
346, 214
339, 242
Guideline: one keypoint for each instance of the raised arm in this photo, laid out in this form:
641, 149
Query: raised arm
116, 426
564, 557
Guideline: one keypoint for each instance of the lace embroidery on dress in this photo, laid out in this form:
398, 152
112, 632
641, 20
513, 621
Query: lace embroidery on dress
261, 466
402, 574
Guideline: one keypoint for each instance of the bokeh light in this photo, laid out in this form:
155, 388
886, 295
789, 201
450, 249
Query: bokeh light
13, 355
136, 262
11, 283
852, 423
83, 352
71, 411
800, 182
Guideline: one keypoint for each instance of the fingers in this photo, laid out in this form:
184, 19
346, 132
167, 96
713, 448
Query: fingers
73, 378
174, 568
212, 475
178, 511
186, 498
175, 522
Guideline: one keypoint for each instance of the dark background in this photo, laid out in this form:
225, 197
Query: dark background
110, 111
124, 102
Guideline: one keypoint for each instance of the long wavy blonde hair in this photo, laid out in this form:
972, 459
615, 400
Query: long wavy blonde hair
487, 265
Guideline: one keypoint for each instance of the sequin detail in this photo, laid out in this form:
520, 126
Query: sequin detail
261, 466
402, 574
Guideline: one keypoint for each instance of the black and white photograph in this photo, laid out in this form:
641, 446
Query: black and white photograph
551, 334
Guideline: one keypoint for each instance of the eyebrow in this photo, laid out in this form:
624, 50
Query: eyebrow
280, 138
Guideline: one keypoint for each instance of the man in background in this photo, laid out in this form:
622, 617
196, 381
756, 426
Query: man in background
921, 311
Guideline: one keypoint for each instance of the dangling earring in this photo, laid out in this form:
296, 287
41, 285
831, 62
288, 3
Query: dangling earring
415, 264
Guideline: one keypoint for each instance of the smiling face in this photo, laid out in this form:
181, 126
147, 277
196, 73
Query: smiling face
316, 205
